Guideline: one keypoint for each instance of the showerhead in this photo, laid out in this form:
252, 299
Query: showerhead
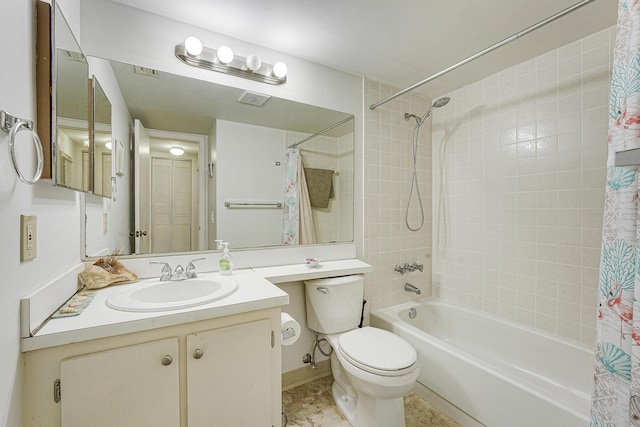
440, 102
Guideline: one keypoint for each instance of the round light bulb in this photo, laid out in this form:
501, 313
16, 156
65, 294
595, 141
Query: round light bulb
107, 145
193, 45
224, 54
176, 151
280, 69
254, 62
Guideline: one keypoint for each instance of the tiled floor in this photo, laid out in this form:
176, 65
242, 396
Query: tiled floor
311, 405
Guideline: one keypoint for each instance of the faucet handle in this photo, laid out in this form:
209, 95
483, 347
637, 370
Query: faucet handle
166, 270
417, 266
191, 269
399, 269
408, 267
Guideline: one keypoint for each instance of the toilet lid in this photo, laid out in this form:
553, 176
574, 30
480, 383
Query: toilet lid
377, 350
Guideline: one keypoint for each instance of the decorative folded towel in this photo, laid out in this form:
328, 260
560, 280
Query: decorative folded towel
320, 186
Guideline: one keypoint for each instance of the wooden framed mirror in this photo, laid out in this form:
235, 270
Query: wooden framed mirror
63, 100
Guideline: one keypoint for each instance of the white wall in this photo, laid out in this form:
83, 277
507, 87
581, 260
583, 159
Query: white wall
58, 217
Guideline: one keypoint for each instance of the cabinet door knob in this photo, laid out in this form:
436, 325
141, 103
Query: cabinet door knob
197, 353
167, 360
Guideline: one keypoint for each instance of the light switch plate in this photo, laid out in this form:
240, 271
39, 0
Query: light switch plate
28, 234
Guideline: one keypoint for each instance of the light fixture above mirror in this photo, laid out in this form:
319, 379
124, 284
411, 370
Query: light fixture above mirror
223, 60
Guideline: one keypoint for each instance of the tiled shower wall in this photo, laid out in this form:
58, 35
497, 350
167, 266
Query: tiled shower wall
519, 162
388, 175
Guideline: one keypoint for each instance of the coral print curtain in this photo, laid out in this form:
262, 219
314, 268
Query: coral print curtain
616, 397
297, 222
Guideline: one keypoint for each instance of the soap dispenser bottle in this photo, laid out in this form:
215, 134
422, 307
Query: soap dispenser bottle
225, 263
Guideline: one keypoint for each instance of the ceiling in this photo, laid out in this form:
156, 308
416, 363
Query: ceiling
398, 42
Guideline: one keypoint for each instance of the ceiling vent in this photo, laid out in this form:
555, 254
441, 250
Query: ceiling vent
74, 56
253, 98
144, 71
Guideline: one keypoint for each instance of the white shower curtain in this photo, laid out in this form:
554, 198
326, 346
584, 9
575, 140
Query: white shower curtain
616, 398
297, 216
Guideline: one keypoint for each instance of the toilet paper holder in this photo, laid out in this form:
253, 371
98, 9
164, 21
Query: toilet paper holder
288, 333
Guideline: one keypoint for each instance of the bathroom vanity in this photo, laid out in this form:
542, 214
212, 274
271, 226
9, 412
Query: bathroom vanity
214, 364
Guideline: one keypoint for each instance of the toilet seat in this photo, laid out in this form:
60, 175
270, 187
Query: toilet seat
377, 351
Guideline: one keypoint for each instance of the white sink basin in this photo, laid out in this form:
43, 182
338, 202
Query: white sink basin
162, 296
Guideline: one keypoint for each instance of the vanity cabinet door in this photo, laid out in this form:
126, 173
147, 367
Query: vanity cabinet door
130, 386
229, 376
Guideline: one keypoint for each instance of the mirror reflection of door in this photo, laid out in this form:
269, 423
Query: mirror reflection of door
142, 188
72, 141
167, 182
171, 205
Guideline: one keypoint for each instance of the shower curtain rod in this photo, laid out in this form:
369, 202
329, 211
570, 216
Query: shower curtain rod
327, 129
485, 51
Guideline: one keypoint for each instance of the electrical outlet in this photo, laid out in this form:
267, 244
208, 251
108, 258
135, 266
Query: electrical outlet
28, 236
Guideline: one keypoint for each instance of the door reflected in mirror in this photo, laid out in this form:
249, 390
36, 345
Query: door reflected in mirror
231, 152
103, 145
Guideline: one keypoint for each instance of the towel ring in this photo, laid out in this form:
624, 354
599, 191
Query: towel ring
17, 127
13, 125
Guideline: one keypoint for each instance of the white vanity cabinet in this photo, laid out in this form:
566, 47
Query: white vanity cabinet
134, 385
229, 376
217, 372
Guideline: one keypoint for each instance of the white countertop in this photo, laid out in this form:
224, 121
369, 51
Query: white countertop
256, 291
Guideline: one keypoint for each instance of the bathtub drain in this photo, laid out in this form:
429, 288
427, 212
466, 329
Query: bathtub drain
412, 313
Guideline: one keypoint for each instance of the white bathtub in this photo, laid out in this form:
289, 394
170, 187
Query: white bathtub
499, 373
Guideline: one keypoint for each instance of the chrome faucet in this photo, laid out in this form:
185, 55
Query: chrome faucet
408, 287
191, 269
179, 273
417, 266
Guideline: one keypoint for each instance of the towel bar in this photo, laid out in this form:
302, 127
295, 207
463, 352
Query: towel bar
229, 204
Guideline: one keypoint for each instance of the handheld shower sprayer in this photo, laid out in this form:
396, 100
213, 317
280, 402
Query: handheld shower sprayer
440, 102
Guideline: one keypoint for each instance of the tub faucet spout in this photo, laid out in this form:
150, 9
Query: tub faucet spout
408, 287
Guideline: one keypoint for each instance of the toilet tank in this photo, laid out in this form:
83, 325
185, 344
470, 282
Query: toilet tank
334, 304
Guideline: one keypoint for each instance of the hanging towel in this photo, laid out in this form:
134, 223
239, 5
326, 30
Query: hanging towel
320, 185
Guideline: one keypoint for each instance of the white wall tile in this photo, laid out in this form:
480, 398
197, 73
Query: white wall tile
534, 221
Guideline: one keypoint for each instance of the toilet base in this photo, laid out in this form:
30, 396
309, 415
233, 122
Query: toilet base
367, 411
346, 404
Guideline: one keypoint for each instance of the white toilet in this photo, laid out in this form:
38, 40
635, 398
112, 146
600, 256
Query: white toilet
372, 368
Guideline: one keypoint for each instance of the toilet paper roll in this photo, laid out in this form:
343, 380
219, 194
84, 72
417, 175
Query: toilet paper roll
289, 328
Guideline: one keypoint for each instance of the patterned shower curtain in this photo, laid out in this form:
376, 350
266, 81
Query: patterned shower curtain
297, 216
616, 398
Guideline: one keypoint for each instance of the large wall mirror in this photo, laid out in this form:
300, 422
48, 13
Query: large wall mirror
204, 161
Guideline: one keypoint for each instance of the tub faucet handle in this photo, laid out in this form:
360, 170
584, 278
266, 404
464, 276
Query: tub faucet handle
417, 266
399, 269
408, 267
